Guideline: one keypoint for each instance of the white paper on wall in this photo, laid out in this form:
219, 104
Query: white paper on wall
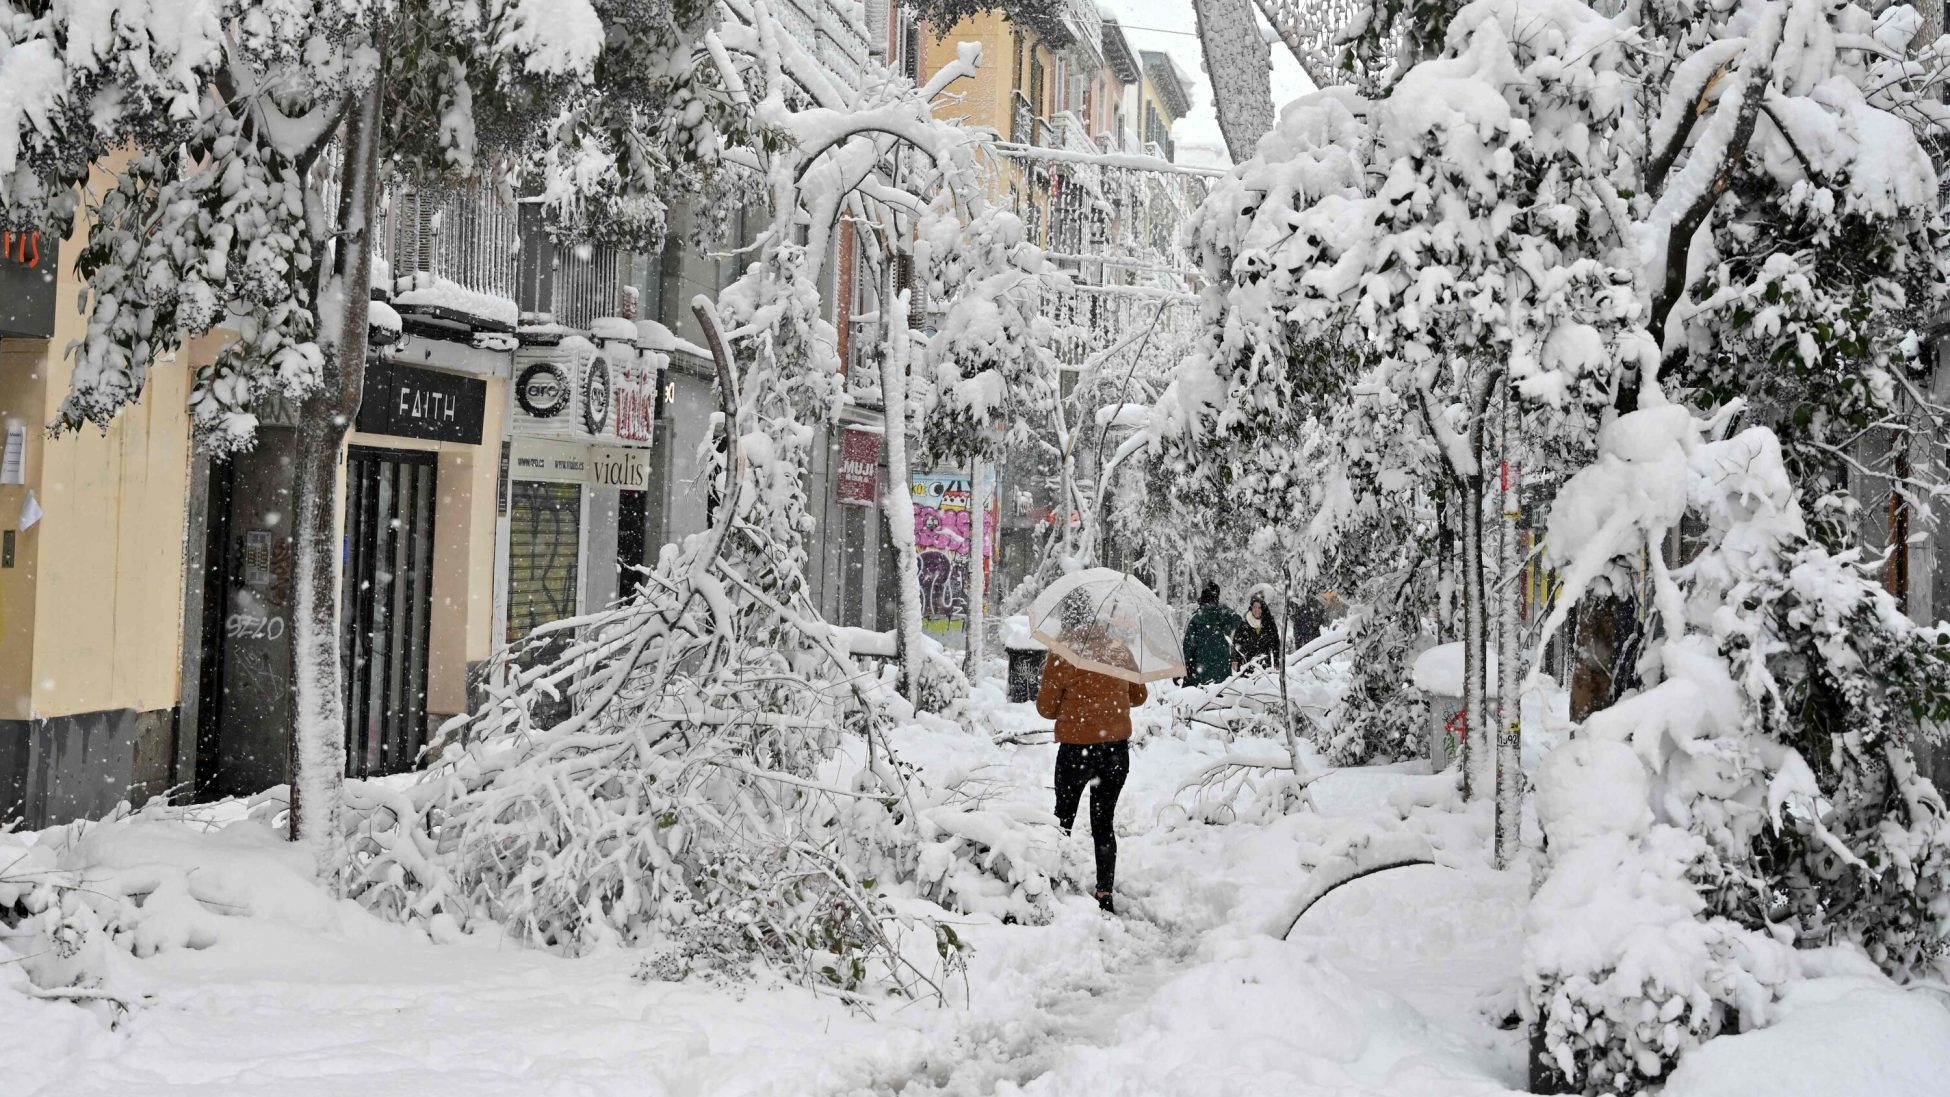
30, 513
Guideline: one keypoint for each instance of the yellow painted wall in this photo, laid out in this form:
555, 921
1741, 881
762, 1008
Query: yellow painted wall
91, 615
23, 369
989, 100
985, 100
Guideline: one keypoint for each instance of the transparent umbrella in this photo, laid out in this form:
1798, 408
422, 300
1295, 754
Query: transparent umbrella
1106, 621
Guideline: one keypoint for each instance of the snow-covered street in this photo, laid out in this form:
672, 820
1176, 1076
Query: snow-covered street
1400, 984
974, 548
1387, 988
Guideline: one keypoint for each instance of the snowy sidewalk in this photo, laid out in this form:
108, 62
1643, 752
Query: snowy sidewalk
1185, 993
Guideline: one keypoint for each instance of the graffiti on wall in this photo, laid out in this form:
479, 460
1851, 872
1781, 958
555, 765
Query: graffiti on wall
942, 517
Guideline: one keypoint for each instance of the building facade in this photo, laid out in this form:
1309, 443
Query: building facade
534, 431
91, 561
529, 440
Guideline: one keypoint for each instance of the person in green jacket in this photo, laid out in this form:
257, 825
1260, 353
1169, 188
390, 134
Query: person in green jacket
1208, 640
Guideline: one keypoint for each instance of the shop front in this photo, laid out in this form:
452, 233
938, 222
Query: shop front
417, 523
579, 476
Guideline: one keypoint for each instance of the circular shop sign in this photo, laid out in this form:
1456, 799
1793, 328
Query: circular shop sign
542, 391
596, 396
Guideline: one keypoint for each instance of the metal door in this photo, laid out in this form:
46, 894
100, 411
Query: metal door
386, 607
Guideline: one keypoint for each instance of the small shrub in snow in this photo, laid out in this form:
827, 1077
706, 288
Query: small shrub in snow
49, 926
1379, 720
1623, 970
1760, 790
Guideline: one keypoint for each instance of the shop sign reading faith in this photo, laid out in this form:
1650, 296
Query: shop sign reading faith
407, 402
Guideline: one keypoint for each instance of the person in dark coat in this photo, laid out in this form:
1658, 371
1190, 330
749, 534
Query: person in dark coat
1208, 639
1256, 642
1309, 617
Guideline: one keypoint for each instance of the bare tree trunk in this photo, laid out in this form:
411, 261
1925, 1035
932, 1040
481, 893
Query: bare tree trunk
1593, 655
1445, 568
1477, 755
317, 698
1475, 674
1239, 64
899, 504
977, 581
1279, 646
1509, 731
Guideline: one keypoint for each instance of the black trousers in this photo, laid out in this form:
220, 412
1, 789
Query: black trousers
1077, 766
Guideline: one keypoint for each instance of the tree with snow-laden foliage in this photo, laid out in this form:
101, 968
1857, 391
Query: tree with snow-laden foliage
989, 374
246, 147
989, 379
724, 789
1397, 261
1729, 208
1768, 763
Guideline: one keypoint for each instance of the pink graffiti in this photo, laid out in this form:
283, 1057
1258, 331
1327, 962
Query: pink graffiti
948, 530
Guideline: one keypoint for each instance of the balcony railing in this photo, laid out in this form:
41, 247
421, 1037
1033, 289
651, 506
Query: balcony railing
828, 32
467, 235
587, 283
1074, 133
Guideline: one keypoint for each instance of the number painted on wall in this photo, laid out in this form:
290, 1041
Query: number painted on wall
249, 626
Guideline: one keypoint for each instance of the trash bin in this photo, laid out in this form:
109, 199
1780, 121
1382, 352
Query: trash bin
1025, 673
1438, 673
1025, 658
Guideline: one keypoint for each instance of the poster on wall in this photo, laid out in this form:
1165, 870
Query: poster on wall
859, 467
635, 384
941, 541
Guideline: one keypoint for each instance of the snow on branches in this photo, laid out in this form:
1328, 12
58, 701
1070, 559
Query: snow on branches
1768, 757
1726, 207
704, 768
228, 195
990, 367
696, 798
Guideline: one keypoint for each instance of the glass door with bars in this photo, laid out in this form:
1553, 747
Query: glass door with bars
390, 497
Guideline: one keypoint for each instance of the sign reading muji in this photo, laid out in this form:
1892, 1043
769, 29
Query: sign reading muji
859, 467
29, 262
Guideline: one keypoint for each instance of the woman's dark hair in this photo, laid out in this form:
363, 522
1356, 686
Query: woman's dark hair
1208, 594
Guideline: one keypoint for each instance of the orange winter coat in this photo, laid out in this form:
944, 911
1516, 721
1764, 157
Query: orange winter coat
1088, 707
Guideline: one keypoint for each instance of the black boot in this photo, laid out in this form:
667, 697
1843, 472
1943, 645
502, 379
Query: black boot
1104, 901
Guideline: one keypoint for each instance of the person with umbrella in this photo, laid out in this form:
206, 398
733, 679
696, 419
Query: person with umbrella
1107, 636
1256, 642
1208, 639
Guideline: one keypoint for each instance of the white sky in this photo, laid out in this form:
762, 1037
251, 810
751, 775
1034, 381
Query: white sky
1176, 33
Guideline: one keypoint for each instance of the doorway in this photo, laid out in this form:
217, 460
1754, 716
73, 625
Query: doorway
632, 541
386, 606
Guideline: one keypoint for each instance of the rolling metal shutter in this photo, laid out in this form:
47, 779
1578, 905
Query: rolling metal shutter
544, 544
